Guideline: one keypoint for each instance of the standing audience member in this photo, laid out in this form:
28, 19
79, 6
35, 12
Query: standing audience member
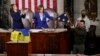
16, 17
41, 17
80, 35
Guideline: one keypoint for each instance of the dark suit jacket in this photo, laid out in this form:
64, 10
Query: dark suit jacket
17, 22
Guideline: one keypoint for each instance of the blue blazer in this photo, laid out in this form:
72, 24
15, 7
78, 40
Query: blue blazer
41, 23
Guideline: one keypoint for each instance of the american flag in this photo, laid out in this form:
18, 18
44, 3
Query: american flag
33, 4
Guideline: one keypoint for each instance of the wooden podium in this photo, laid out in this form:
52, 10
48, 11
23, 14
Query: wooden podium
50, 42
18, 49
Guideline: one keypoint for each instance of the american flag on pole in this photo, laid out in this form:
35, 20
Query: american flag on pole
33, 4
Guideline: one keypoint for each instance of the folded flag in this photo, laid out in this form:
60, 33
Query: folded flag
20, 35
15, 36
26, 34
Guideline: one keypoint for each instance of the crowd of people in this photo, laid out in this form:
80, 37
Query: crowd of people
83, 27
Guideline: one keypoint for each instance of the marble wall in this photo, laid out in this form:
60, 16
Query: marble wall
78, 6
60, 6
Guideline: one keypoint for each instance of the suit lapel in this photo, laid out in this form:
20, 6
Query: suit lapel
40, 17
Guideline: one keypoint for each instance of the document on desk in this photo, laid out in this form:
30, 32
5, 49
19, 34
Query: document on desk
35, 30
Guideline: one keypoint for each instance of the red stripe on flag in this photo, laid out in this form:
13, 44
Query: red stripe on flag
23, 4
35, 5
17, 1
55, 5
41, 2
29, 4
48, 3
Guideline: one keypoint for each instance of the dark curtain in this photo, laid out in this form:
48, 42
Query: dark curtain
4, 14
69, 7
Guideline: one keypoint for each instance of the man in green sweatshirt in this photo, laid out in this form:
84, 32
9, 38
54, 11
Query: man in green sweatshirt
80, 35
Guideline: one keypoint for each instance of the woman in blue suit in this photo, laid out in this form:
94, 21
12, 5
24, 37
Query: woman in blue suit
41, 17
16, 17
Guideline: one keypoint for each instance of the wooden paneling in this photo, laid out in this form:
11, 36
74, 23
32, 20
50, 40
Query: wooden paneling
19, 49
5, 36
54, 43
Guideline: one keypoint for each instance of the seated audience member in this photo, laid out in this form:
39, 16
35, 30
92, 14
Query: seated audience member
64, 18
16, 17
41, 17
79, 39
85, 18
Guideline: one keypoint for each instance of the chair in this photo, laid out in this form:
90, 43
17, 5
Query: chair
27, 21
52, 13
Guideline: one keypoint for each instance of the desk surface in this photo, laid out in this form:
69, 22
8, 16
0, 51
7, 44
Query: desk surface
19, 42
35, 30
6, 30
47, 30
